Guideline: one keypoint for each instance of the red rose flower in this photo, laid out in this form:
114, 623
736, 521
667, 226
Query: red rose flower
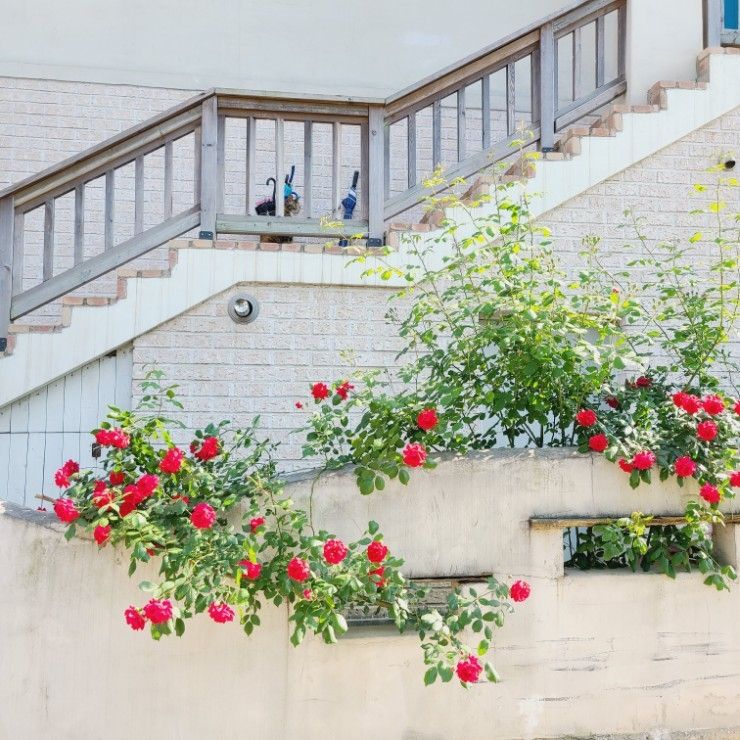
685, 467
66, 510
713, 405
376, 552
586, 417
643, 382
626, 466
172, 461
116, 477
220, 612
112, 438
335, 551
414, 454
379, 571
469, 669
209, 448
598, 442
691, 404
256, 523
644, 460
101, 534
147, 484
735, 479
62, 476
102, 497
736, 407
427, 419
298, 405
612, 401
158, 611
679, 398
706, 430
102, 437
203, 516
520, 591
61, 479
709, 493
343, 390
251, 570
134, 618
131, 499
320, 391
307, 594
298, 570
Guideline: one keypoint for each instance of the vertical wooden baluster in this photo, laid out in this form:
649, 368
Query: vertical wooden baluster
461, 125
110, 204
307, 166
197, 147
7, 265
485, 108
47, 271
336, 166
600, 50
510, 99
386, 183
251, 144
534, 88
376, 148
279, 166
139, 195
168, 180
548, 87
577, 62
411, 153
79, 248
437, 133
18, 232
364, 178
208, 168
621, 40
221, 164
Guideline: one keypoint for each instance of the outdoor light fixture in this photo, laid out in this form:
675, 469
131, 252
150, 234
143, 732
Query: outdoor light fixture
243, 308
727, 160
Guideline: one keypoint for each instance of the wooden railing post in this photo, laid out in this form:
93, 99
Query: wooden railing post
376, 176
712, 23
209, 168
7, 221
547, 87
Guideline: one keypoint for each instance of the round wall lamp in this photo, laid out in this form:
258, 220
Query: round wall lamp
243, 308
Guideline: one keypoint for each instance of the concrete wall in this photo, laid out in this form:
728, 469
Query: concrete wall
590, 654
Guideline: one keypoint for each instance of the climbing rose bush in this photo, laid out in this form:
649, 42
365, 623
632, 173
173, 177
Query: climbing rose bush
226, 540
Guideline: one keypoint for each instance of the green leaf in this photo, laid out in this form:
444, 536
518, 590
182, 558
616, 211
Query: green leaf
430, 676
70, 533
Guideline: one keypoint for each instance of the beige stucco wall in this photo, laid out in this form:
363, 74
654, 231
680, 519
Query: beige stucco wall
588, 654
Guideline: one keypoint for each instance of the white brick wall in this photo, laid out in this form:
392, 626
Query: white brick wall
231, 371
236, 371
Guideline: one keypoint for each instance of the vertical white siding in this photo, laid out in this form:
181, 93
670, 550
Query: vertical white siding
39, 432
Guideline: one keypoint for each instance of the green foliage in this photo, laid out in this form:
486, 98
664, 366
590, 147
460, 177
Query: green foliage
202, 567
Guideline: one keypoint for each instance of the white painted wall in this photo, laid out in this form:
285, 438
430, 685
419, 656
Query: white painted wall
42, 430
663, 41
321, 46
588, 653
